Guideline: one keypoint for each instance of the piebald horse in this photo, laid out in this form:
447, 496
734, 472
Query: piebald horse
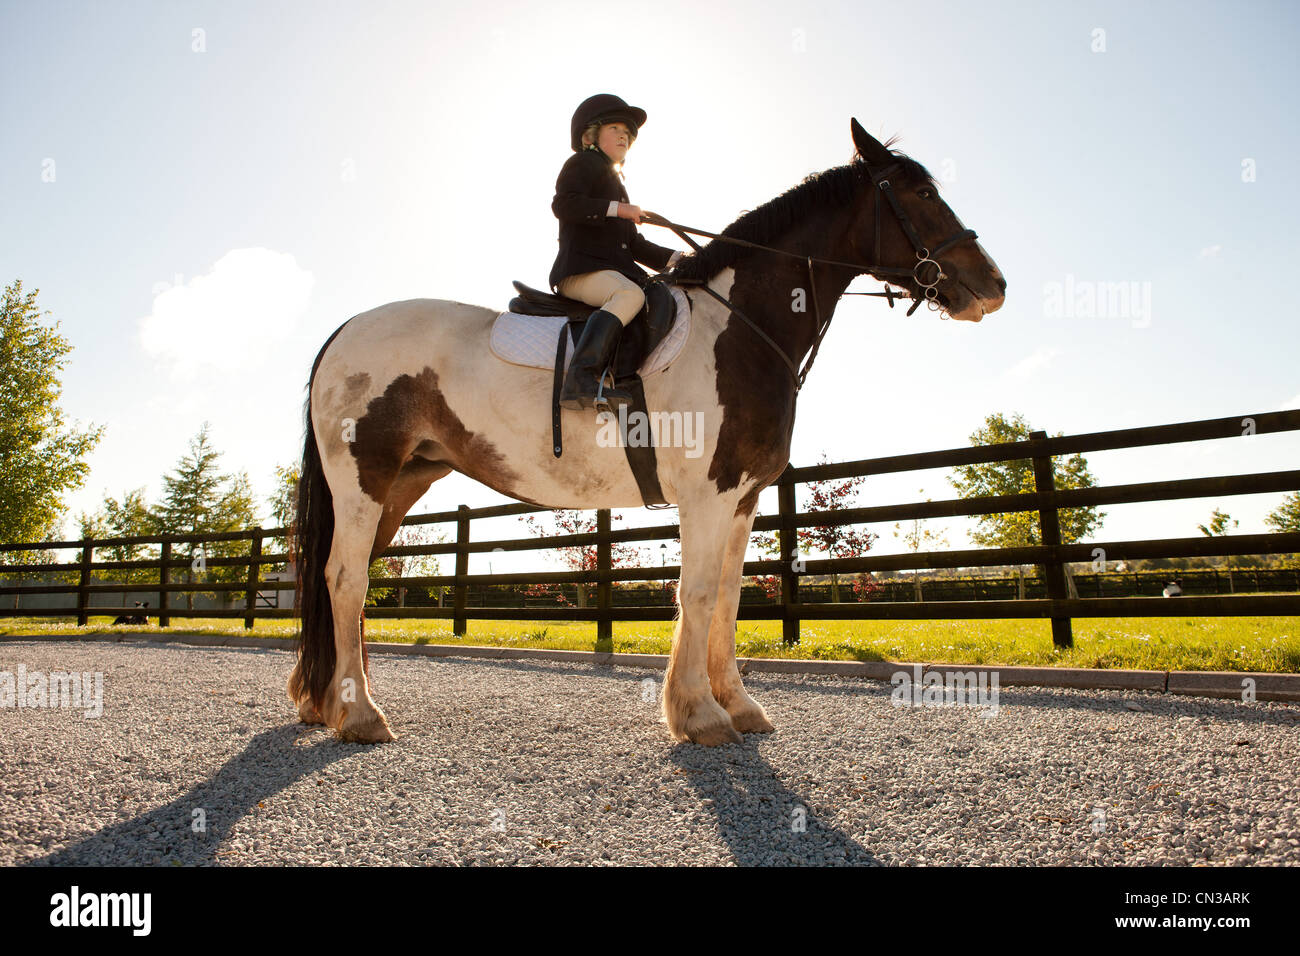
406, 393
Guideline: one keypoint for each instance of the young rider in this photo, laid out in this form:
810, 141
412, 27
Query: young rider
599, 242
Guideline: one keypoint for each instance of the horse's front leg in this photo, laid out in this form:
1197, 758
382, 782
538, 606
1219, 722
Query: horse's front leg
746, 714
690, 709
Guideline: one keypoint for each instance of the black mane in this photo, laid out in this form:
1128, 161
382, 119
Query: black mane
837, 187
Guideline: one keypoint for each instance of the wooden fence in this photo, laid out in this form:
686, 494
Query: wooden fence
933, 587
1051, 556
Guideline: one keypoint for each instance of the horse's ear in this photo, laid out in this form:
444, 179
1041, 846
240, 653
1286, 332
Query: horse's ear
869, 148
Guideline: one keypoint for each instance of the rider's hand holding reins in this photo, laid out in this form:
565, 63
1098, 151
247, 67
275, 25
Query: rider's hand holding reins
628, 211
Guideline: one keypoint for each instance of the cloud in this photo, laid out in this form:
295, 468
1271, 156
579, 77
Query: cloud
228, 318
1032, 363
1211, 252
1288, 405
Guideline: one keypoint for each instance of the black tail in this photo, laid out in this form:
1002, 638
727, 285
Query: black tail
313, 536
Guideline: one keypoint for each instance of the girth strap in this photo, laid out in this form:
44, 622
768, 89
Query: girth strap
640, 458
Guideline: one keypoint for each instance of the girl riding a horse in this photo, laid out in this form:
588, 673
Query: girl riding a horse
599, 243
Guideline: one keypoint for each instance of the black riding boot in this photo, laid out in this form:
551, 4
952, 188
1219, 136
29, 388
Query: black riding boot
591, 357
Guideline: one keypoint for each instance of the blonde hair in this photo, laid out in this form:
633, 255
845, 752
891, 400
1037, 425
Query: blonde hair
593, 130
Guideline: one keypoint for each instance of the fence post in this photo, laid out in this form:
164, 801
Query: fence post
164, 579
1049, 525
788, 542
459, 624
83, 596
605, 588
254, 573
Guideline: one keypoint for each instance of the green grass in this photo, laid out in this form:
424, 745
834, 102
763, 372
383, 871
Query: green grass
1176, 643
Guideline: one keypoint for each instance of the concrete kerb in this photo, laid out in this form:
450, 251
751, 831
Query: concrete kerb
1226, 684
197, 640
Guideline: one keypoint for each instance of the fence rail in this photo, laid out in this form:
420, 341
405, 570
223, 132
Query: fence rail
1051, 556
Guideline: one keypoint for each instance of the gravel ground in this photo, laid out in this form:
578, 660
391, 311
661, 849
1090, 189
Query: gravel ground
552, 763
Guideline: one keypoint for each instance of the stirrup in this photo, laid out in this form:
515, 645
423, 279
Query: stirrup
602, 402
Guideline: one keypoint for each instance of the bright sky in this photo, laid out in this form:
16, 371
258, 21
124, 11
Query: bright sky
203, 191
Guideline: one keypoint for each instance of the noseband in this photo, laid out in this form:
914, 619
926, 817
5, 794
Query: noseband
924, 258
927, 264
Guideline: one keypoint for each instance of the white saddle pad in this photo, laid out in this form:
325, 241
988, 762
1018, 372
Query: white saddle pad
531, 340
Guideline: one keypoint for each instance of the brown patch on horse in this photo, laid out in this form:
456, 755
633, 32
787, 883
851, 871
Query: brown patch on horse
754, 438
354, 386
758, 419
411, 409
749, 503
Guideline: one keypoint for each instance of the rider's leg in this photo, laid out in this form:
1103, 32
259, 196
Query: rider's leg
608, 290
620, 299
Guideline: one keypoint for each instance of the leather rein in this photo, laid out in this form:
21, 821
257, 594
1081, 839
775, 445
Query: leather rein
926, 263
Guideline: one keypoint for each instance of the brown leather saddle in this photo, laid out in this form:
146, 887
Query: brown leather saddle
639, 339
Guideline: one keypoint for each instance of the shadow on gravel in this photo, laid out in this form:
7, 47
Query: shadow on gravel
270, 763
1021, 697
759, 816
1028, 697
1116, 702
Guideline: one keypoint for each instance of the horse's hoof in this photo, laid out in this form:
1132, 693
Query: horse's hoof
715, 735
308, 714
751, 720
712, 728
747, 716
366, 730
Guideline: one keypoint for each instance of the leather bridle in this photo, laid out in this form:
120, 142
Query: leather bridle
927, 266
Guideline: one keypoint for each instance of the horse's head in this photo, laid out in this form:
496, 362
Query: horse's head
958, 275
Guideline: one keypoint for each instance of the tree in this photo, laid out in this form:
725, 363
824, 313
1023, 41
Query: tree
1217, 528
583, 558
375, 594
42, 556
1021, 530
836, 541
1218, 524
408, 565
917, 537
127, 518
199, 499
41, 457
284, 500
283, 504
1286, 516
769, 547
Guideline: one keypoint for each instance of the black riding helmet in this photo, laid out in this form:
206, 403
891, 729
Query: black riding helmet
603, 108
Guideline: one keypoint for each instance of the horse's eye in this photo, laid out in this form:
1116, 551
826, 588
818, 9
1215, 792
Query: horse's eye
925, 193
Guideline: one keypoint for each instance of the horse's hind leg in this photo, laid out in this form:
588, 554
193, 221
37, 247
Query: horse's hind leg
746, 714
409, 487
362, 529
349, 708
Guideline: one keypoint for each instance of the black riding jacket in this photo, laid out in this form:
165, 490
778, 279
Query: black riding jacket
590, 239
